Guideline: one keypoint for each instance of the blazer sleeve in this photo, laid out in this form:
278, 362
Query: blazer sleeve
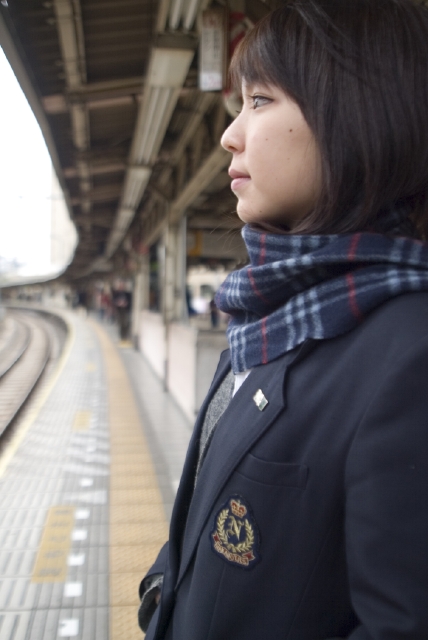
158, 568
150, 586
386, 517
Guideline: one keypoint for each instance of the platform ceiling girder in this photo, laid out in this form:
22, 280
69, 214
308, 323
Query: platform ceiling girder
134, 142
167, 71
70, 32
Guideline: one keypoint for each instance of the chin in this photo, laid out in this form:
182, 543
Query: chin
258, 222
246, 215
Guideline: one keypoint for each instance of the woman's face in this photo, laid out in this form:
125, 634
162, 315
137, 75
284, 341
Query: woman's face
276, 167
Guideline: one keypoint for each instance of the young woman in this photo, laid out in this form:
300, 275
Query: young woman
303, 509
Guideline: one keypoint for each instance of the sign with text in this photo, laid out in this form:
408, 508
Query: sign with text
212, 52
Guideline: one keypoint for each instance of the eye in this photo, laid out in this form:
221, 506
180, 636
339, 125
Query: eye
259, 101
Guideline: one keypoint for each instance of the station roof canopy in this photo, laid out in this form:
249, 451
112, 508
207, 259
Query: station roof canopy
114, 87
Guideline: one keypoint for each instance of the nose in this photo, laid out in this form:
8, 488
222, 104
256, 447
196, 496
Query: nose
231, 139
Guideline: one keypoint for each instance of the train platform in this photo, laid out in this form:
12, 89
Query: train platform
87, 482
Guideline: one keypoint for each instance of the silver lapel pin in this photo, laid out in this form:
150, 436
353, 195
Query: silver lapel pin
260, 400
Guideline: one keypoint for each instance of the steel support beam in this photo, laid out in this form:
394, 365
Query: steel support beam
70, 32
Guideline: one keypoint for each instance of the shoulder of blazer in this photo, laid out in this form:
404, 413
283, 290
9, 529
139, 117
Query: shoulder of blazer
398, 323
407, 312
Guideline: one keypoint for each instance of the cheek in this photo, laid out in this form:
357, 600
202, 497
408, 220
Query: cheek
259, 143
262, 159
276, 164
268, 152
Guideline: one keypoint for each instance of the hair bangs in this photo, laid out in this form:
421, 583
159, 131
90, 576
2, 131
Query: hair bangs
255, 60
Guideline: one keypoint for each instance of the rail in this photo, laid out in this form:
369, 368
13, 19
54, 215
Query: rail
29, 341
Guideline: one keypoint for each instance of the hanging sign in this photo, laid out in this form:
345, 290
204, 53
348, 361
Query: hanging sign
213, 49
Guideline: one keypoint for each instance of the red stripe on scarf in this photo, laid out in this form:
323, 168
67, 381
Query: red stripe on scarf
264, 342
353, 247
352, 296
254, 286
262, 256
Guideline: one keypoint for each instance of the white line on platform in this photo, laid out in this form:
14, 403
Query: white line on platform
89, 497
68, 628
79, 534
73, 589
76, 560
82, 514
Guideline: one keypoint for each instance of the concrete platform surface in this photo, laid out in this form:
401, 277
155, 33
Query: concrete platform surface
86, 489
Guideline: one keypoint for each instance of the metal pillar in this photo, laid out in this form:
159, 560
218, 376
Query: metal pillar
174, 306
174, 273
140, 299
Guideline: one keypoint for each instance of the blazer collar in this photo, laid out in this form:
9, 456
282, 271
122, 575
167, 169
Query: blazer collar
240, 426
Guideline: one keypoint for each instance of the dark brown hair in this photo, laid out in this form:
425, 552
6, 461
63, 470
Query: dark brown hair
358, 69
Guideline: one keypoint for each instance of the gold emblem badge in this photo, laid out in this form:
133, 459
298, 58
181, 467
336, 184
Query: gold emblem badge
235, 536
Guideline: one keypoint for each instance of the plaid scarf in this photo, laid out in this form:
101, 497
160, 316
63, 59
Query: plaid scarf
319, 287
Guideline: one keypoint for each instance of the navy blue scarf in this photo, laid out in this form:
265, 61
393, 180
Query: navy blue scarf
299, 287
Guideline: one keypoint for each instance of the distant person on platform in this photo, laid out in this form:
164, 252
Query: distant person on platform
214, 314
122, 305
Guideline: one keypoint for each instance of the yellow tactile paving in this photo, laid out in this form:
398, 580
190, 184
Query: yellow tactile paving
125, 448
51, 560
121, 482
137, 458
137, 513
143, 495
130, 534
132, 558
138, 526
122, 623
128, 469
123, 591
126, 440
82, 420
125, 444
133, 458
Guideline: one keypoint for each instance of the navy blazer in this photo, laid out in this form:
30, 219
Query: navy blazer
309, 520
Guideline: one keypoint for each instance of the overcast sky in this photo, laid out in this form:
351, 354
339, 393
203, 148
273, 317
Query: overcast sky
25, 179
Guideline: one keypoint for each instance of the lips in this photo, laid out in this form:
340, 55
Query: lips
239, 179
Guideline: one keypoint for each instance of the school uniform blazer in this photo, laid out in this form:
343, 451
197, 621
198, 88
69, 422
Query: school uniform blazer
324, 492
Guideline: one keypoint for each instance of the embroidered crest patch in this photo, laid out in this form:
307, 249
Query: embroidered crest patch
235, 536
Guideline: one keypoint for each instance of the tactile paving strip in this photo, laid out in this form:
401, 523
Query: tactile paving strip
138, 525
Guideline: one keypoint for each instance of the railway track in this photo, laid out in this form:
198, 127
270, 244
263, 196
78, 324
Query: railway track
29, 342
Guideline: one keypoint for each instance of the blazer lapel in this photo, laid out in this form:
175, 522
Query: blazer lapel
241, 425
186, 487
